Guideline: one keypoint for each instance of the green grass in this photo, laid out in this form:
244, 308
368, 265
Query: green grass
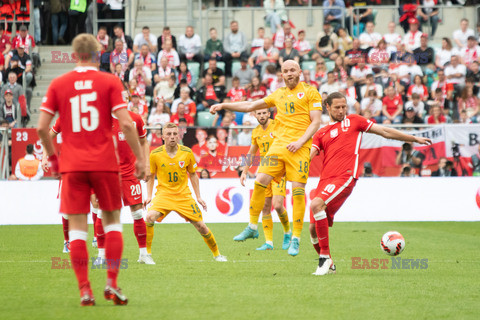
187, 284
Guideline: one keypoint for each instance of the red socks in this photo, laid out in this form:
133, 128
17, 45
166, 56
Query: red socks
94, 217
113, 252
100, 233
321, 226
65, 229
79, 257
316, 246
140, 230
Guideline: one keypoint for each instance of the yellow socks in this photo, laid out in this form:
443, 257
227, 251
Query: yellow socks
209, 239
298, 210
284, 220
267, 224
257, 202
150, 231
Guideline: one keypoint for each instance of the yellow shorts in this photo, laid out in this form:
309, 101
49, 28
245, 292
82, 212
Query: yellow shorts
276, 189
186, 208
294, 166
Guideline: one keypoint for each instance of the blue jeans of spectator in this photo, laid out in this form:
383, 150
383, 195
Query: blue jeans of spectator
433, 23
56, 18
273, 20
200, 107
36, 23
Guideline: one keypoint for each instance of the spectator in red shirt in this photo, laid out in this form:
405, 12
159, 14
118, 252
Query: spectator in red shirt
392, 106
437, 117
182, 115
25, 39
419, 88
212, 161
5, 44
209, 94
257, 90
237, 93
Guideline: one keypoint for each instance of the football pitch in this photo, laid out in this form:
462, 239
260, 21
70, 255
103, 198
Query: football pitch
186, 283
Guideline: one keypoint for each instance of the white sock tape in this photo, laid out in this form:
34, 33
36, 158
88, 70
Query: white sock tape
77, 235
113, 227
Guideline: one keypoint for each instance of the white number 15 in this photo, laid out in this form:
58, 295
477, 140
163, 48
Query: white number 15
80, 105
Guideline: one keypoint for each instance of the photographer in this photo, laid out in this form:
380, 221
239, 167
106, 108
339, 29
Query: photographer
413, 157
445, 169
476, 163
368, 171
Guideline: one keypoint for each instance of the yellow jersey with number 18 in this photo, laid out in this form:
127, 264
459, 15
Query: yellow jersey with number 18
293, 112
172, 173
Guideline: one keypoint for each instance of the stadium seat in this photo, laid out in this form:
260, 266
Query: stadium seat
220, 65
204, 119
239, 117
235, 66
330, 65
194, 68
309, 65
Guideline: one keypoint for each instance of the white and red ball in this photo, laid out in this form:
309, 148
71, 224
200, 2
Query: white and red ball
392, 243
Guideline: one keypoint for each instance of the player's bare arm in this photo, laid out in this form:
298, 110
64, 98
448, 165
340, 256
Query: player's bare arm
196, 188
146, 149
390, 133
132, 139
248, 163
241, 106
43, 130
45, 165
316, 118
153, 169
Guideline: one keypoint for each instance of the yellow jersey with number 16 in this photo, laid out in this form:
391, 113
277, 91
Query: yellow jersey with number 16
293, 112
172, 173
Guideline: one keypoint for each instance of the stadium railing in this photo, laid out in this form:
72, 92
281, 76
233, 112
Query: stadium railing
381, 18
4, 154
228, 15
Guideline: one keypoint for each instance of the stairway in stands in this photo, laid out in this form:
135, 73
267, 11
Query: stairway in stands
151, 13
56, 60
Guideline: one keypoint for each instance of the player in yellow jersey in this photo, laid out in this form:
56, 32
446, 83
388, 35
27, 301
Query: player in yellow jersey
173, 164
262, 139
299, 110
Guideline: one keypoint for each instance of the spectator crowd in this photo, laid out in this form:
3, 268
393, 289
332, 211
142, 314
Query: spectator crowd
390, 78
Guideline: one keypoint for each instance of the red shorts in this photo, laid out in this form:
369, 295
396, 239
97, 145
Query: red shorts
132, 192
334, 192
76, 191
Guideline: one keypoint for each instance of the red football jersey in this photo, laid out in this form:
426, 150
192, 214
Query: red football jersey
85, 99
125, 153
341, 143
56, 127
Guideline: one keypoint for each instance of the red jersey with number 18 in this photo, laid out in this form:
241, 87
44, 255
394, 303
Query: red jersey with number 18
85, 99
127, 158
341, 143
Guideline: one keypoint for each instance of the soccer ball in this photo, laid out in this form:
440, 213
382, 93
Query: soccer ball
392, 243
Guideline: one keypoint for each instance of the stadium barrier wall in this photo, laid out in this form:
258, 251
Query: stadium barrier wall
373, 199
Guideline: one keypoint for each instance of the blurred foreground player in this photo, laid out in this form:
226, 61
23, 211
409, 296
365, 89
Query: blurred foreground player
85, 99
173, 164
54, 131
340, 140
262, 139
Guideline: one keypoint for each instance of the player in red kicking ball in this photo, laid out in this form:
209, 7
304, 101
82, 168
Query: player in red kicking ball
132, 190
340, 141
85, 98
